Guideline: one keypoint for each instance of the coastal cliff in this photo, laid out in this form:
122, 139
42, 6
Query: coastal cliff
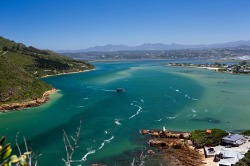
20, 70
27, 104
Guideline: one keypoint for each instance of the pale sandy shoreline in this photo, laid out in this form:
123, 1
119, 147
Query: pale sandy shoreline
28, 104
74, 72
199, 67
209, 68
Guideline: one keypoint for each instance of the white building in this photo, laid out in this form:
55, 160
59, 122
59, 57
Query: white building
230, 158
233, 139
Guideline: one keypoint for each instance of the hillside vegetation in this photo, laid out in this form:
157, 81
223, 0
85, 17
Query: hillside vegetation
201, 138
21, 66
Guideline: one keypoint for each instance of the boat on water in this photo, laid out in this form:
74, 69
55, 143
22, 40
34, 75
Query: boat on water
120, 90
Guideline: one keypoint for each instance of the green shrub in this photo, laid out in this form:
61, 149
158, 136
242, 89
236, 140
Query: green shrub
247, 133
200, 137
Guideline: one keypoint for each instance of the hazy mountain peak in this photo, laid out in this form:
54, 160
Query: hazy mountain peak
158, 46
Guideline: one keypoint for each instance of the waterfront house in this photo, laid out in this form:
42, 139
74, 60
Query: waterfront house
233, 139
229, 158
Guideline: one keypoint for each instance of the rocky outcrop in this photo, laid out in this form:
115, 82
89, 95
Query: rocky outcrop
169, 143
23, 105
157, 143
173, 147
166, 134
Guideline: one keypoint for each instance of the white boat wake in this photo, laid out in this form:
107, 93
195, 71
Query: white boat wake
105, 141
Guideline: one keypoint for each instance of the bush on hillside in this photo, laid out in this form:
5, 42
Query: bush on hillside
202, 138
247, 133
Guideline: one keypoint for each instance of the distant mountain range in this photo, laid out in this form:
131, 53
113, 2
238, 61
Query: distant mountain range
156, 46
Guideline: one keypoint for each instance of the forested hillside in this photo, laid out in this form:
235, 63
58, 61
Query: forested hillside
21, 66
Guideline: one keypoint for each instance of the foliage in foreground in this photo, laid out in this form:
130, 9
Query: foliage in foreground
7, 160
202, 138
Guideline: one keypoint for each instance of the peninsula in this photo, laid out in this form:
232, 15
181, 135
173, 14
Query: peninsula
20, 70
200, 147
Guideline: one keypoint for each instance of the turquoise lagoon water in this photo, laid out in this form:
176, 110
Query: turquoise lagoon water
156, 95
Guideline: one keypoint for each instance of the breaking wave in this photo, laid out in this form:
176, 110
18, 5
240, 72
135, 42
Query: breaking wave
117, 122
139, 108
159, 120
171, 117
105, 141
190, 97
85, 98
84, 158
137, 113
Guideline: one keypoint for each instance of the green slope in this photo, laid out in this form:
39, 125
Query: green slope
40, 62
21, 66
17, 85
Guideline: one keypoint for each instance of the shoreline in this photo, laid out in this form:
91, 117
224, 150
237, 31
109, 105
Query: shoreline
73, 72
28, 104
198, 67
37, 102
172, 146
208, 68
223, 68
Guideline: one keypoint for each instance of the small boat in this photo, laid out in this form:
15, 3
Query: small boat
120, 90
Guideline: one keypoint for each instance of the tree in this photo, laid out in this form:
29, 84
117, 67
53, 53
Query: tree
71, 145
244, 62
217, 64
5, 48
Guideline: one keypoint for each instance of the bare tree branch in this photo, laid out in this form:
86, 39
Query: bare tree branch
19, 150
32, 158
27, 150
35, 158
71, 146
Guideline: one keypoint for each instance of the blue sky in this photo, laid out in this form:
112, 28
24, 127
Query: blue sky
77, 24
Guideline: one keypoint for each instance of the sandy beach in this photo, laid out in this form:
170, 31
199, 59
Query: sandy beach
74, 72
209, 68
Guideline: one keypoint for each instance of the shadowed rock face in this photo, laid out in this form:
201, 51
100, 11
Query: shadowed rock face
208, 120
